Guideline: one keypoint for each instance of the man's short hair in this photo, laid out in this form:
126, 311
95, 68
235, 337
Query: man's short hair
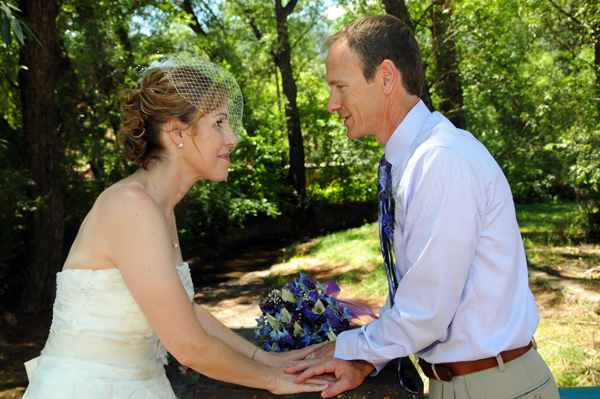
375, 38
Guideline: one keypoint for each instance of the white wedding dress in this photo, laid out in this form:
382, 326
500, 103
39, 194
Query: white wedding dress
100, 344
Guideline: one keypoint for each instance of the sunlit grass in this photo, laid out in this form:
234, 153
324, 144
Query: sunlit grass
550, 224
355, 251
359, 246
553, 234
566, 345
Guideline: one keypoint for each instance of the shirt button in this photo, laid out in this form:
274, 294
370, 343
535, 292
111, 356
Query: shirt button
347, 352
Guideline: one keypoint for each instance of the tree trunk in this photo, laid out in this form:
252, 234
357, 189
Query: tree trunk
445, 57
597, 65
398, 9
39, 127
283, 59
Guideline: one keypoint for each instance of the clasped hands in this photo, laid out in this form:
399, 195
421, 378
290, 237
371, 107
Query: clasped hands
348, 374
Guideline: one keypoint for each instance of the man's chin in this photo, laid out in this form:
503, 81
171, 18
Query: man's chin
353, 134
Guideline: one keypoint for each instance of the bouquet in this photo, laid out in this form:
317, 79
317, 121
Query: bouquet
300, 314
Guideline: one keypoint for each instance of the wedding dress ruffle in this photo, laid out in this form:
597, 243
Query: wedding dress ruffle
101, 344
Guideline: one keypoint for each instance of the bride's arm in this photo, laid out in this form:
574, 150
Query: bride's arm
213, 326
141, 247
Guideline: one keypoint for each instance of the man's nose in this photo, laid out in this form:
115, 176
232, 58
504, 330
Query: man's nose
333, 104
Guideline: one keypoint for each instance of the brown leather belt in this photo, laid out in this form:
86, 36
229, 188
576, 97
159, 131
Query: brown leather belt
445, 371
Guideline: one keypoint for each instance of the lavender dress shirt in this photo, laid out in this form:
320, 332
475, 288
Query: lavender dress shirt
463, 293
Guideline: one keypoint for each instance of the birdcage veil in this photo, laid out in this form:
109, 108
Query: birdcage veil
205, 85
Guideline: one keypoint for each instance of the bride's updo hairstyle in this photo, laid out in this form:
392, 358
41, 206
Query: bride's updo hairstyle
184, 87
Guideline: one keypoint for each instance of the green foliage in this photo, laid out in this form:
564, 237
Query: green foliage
10, 21
529, 75
582, 146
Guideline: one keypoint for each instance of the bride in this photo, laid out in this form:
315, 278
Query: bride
125, 296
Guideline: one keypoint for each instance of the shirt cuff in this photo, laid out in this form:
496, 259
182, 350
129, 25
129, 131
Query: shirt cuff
345, 349
378, 367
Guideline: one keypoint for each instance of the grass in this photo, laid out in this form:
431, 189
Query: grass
358, 247
554, 239
566, 345
550, 223
553, 234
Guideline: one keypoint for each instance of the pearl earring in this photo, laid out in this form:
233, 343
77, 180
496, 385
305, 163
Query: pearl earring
180, 145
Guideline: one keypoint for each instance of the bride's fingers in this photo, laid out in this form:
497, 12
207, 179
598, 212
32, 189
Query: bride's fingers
324, 379
297, 367
313, 387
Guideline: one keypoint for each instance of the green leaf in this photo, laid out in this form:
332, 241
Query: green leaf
18, 31
11, 6
29, 32
6, 10
6, 31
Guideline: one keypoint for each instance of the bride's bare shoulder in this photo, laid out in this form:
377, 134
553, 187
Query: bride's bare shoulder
124, 197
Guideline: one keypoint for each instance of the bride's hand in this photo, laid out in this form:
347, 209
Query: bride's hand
284, 359
284, 383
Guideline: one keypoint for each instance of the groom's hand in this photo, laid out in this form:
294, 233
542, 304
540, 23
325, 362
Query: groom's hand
324, 352
349, 373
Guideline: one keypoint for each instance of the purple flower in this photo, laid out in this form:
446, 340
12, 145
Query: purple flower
295, 290
331, 318
306, 281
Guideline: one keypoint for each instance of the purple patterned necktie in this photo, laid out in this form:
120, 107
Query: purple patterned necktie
386, 223
386, 238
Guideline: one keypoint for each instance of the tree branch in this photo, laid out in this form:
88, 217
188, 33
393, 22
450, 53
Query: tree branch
315, 21
304, 63
251, 21
570, 50
571, 17
289, 8
186, 5
217, 20
10, 82
398, 9
422, 16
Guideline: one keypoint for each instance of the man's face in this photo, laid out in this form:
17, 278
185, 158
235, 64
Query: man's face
352, 97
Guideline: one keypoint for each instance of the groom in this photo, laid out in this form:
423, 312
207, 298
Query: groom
459, 295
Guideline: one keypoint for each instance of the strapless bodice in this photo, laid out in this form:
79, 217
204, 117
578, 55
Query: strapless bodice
98, 304
100, 345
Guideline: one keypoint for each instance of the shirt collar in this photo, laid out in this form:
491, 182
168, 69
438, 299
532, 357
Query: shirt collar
406, 132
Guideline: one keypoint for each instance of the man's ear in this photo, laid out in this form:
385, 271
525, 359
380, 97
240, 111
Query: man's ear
390, 76
175, 129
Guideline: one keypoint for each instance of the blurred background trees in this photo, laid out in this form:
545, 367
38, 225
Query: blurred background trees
522, 75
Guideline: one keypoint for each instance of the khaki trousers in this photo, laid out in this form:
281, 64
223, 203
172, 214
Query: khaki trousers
527, 376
